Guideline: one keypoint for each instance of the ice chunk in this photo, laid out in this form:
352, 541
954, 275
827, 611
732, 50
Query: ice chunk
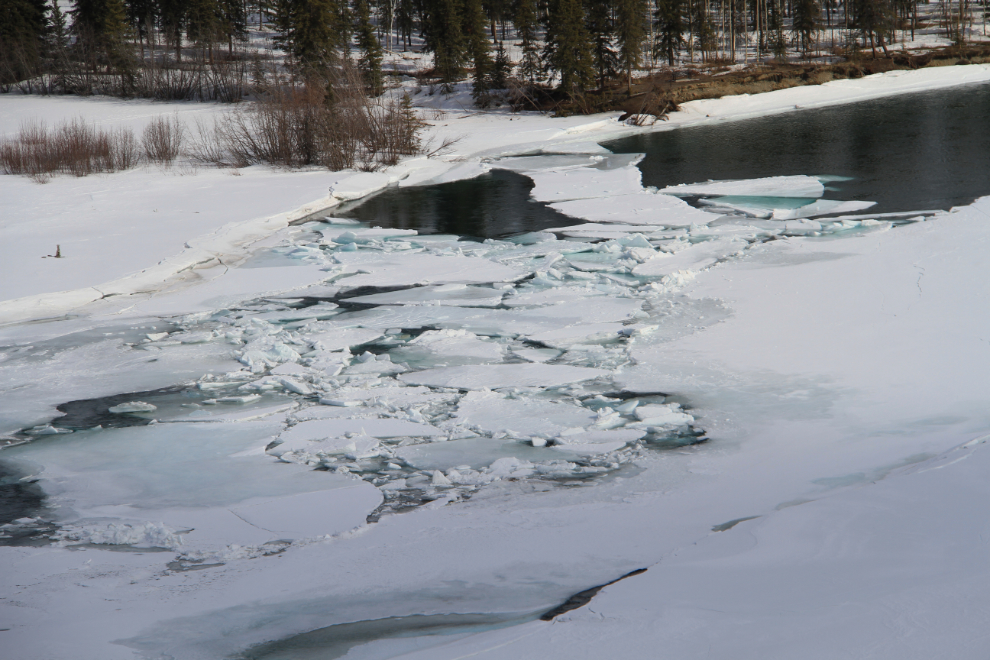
584, 182
295, 386
821, 207
145, 535
641, 208
531, 297
667, 414
781, 186
494, 376
133, 407
449, 348
493, 412
336, 339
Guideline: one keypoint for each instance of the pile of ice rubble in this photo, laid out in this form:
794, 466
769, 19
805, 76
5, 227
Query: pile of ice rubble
431, 366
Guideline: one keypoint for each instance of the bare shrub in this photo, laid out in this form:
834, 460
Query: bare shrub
162, 139
331, 122
73, 147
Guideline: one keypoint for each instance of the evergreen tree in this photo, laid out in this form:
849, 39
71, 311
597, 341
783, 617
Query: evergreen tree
630, 30
568, 49
23, 30
312, 31
525, 22
202, 23
478, 48
805, 21
599, 21
100, 27
501, 69
371, 49
405, 21
776, 43
141, 17
172, 17
669, 21
445, 39
232, 21
872, 18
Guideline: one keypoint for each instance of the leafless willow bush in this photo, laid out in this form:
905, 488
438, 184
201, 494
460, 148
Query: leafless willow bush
162, 139
331, 123
73, 147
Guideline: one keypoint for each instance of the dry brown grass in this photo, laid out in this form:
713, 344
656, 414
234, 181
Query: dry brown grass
73, 147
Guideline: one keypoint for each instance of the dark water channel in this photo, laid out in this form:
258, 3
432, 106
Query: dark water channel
911, 152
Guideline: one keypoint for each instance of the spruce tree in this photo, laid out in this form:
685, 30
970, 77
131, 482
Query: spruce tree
312, 31
776, 42
23, 30
525, 22
599, 22
100, 27
669, 21
172, 17
568, 49
371, 50
202, 23
478, 48
445, 39
630, 30
805, 21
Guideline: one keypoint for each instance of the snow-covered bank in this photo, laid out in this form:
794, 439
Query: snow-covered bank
146, 218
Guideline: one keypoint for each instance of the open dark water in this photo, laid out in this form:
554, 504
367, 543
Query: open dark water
492, 205
922, 151
912, 152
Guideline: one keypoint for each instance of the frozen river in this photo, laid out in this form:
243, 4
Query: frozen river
523, 401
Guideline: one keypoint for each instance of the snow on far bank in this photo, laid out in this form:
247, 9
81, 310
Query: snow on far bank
132, 231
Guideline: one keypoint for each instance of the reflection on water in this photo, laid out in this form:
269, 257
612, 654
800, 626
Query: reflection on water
492, 205
917, 151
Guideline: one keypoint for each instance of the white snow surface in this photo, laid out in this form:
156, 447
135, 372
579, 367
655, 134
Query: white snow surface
841, 384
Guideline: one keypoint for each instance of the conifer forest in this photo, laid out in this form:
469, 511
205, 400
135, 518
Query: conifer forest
221, 49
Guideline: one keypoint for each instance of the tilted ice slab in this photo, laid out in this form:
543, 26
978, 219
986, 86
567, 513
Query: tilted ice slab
502, 375
405, 269
776, 186
640, 208
821, 207
442, 294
